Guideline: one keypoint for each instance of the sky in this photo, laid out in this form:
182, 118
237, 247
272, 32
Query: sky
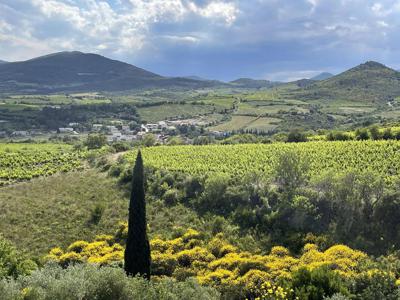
279, 40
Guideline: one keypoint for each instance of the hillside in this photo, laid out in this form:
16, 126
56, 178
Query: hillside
252, 83
81, 72
368, 82
322, 76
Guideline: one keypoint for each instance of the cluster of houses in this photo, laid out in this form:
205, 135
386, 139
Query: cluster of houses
118, 131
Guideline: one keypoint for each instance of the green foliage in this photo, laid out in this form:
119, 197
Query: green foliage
137, 252
376, 284
27, 161
317, 283
236, 161
296, 136
58, 209
149, 140
95, 141
11, 262
361, 134
105, 283
97, 213
291, 171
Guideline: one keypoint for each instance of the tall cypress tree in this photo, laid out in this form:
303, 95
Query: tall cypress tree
137, 252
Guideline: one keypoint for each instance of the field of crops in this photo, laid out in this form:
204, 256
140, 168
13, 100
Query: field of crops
380, 157
25, 161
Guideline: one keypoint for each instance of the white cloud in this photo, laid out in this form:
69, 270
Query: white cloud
184, 39
217, 10
125, 27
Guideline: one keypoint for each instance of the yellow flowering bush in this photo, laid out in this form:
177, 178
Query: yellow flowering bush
218, 263
77, 246
269, 291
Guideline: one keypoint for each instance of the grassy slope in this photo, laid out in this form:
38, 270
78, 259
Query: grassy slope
56, 210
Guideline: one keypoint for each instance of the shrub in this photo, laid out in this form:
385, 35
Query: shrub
96, 214
296, 137
11, 261
104, 283
171, 197
317, 284
95, 141
376, 284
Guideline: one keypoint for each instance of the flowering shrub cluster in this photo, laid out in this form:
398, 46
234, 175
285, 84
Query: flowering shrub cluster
221, 265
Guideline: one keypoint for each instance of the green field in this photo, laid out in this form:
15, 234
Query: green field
168, 111
378, 157
26, 161
248, 122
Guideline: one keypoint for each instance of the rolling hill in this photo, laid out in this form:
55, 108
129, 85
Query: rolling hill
82, 72
252, 83
322, 76
370, 82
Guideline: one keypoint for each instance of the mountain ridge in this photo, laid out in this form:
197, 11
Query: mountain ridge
322, 76
245, 82
369, 81
82, 72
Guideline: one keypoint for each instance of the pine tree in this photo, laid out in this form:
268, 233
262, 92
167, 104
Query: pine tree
137, 252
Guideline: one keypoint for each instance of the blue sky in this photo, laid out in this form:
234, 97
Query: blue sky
218, 39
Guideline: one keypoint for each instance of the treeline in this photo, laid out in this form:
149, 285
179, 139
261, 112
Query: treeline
54, 117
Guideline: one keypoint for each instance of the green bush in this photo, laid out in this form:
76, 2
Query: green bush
317, 284
11, 261
95, 141
101, 283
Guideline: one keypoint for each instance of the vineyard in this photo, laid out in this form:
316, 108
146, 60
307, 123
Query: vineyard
379, 157
26, 161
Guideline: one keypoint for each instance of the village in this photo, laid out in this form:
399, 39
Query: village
117, 131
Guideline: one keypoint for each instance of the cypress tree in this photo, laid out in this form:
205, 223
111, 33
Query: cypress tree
137, 252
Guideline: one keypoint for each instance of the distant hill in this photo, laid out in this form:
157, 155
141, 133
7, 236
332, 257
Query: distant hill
368, 82
322, 76
2, 62
196, 78
253, 83
82, 72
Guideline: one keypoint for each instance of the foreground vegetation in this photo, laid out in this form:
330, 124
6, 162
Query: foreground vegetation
92, 282
266, 223
236, 274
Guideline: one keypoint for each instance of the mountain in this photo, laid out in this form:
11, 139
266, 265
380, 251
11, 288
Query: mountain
2, 62
322, 76
368, 82
82, 72
194, 77
252, 83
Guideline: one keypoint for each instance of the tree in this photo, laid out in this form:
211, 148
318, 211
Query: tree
137, 252
362, 134
374, 133
387, 134
95, 141
149, 140
296, 136
291, 171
